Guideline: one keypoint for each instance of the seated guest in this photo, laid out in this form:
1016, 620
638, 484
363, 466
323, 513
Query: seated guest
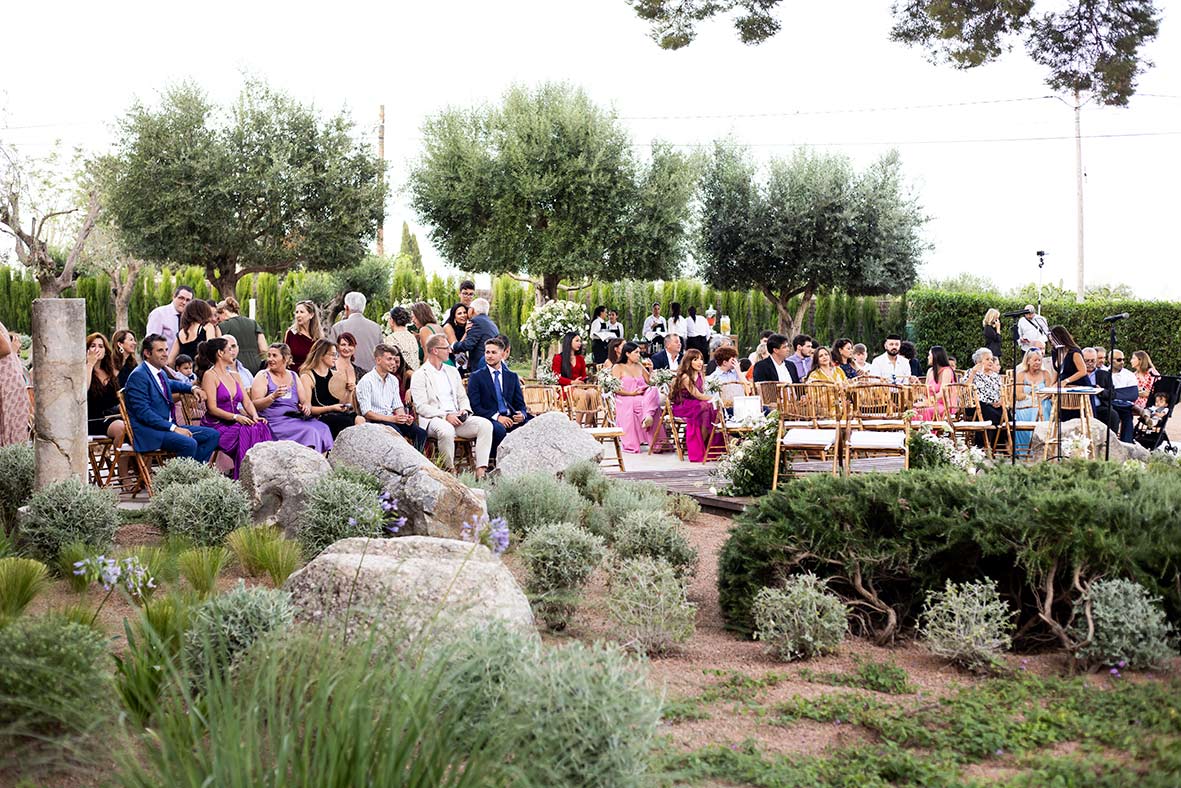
401, 338
985, 379
227, 408
717, 341
443, 407
760, 351
379, 397
346, 373
124, 346
148, 394
1146, 376
495, 393
859, 361
102, 386
775, 368
454, 327
614, 346
637, 403
726, 365
402, 373
823, 368
670, 357
286, 403
801, 358
1116, 411
480, 329
842, 356
316, 375
934, 407
908, 351
569, 364
184, 368
691, 403
892, 366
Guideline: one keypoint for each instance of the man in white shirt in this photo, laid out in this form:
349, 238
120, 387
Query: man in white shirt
164, 320
1032, 330
443, 407
379, 399
654, 327
890, 366
366, 332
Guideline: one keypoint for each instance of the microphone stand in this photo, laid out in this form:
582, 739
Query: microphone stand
1110, 394
1013, 403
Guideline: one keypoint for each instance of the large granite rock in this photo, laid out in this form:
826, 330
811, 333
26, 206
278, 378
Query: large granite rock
549, 443
277, 476
403, 585
434, 502
1119, 451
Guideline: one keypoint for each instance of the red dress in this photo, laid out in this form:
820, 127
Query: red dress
300, 347
579, 370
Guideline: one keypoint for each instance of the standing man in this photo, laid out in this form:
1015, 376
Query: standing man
164, 321
380, 401
366, 332
670, 357
443, 407
495, 393
1032, 331
654, 327
775, 368
801, 357
480, 329
890, 366
148, 394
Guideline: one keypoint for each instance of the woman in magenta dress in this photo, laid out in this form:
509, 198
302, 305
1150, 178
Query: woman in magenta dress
637, 403
228, 410
286, 404
691, 403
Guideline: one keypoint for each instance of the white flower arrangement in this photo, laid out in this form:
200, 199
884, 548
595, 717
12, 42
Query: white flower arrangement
436, 308
661, 377
553, 320
608, 382
546, 376
1077, 446
966, 458
713, 385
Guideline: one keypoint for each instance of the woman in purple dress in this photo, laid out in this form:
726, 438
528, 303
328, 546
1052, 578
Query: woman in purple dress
691, 403
283, 400
228, 410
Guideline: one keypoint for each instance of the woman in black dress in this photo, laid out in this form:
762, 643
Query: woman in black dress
196, 325
1068, 360
124, 354
992, 332
316, 374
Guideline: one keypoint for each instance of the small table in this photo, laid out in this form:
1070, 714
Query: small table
1068, 398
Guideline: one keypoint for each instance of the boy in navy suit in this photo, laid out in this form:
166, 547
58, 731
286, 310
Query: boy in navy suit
148, 395
495, 392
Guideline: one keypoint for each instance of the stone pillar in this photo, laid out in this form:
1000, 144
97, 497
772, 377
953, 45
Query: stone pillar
59, 386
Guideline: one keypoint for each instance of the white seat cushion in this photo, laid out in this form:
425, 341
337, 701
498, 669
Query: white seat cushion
973, 425
877, 440
892, 424
789, 425
812, 439
736, 425
1028, 425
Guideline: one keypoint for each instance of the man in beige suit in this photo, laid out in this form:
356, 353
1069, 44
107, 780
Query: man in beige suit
443, 408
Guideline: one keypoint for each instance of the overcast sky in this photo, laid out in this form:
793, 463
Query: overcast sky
831, 78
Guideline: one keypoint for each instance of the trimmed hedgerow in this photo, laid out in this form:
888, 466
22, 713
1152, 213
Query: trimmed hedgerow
884, 540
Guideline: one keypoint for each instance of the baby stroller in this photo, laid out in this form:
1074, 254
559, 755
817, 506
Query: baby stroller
1152, 438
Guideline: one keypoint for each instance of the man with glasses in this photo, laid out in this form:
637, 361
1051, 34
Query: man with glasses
1127, 389
443, 407
164, 320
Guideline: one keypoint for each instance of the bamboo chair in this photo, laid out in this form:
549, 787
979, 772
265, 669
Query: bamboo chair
724, 424
144, 461
1060, 402
812, 405
1010, 429
876, 424
960, 400
673, 427
540, 398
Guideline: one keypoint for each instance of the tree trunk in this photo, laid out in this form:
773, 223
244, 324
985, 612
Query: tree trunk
549, 288
802, 309
223, 277
123, 291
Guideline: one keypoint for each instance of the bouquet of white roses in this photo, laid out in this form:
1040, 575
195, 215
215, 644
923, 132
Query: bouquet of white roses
661, 377
713, 386
608, 382
546, 376
553, 320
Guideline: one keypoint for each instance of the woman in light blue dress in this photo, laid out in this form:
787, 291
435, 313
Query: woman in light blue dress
1032, 377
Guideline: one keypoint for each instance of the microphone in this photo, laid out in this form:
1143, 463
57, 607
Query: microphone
1113, 318
1018, 313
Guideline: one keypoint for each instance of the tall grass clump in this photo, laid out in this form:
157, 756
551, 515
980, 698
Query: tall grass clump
16, 481
279, 558
201, 566
69, 511
339, 507
248, 543
150, 660
529, 501
559, 558
21, 580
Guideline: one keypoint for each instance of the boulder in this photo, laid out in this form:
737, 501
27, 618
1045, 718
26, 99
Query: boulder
1119, 451
549, 443
277, 476
434, 502
402, 585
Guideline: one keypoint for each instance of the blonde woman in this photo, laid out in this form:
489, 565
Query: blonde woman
1032, 376
1146, 376
305, 330
992, 332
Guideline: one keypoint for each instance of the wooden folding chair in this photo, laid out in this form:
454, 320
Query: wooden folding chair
144, 461
673, 427
806, 425
100, 450
1011, 429
540, 398
961, 404
876, 424
724, 424
1060, 402
587, 407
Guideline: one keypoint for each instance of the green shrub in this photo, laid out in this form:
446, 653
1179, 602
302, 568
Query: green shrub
223, 627
683, 507
624, 498
648, 606
67, 560
357, 476
150, 659
338, 508
53, 678
21, 580
182, 471
201, 566
649, 534
207, 511
583, 715
278, 559
167, 506
248, 544
16, 481
558, 558
69, 511
1130, 627
968, 624
800, 620
533, 500
583, 475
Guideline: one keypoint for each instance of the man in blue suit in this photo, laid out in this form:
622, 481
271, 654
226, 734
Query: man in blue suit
148, 394
495, 392
480, 329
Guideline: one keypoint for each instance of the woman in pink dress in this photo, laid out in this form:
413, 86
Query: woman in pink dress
1146, 376
691, 403
940, 375
637, 403
14, 399
228, 410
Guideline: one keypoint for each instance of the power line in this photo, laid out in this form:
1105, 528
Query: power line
906, 142
844, 111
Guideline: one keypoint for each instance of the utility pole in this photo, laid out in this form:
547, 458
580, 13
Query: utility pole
381, 158
1078, 165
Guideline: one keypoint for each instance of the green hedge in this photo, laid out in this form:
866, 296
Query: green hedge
954, 320
909, 532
